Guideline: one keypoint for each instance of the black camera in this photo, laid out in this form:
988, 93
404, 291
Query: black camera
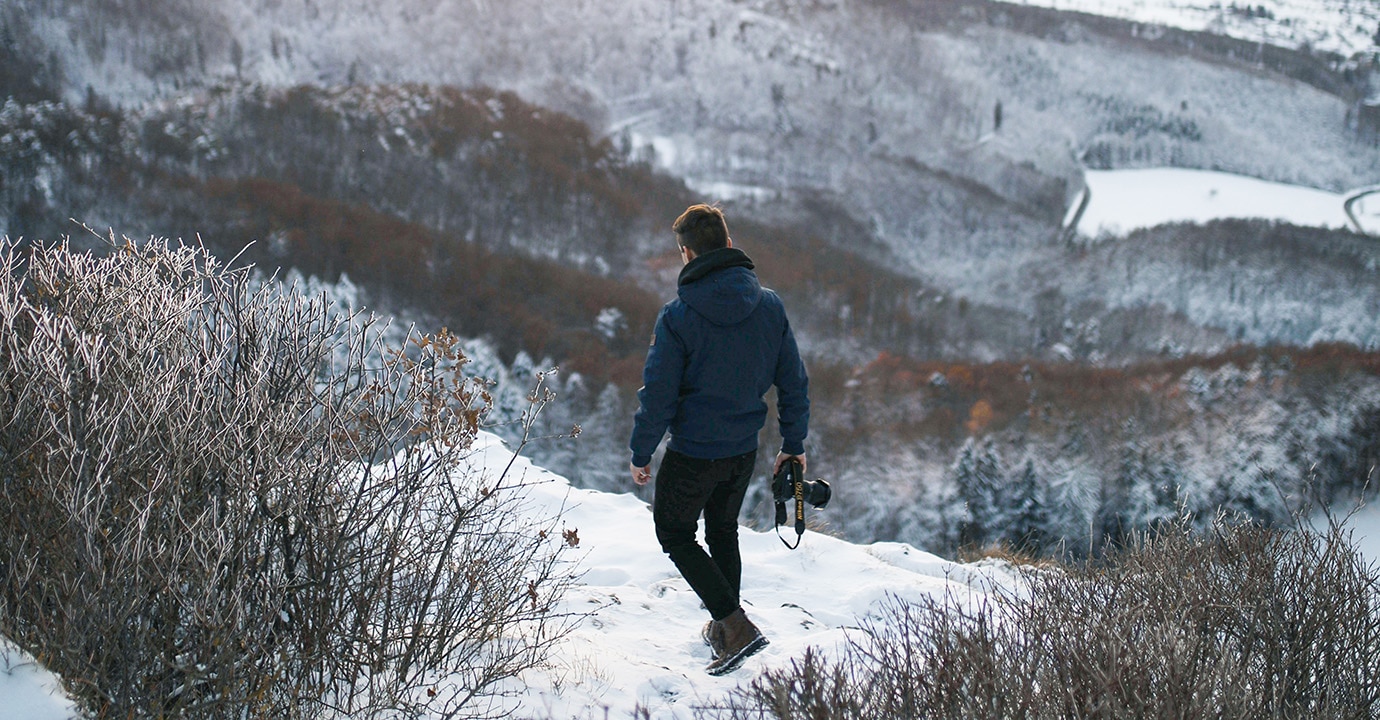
790, 485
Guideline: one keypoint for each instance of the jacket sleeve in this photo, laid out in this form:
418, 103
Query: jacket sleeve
792, 395
660, 391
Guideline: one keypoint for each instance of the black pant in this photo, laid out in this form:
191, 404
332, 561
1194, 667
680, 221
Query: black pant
685, 487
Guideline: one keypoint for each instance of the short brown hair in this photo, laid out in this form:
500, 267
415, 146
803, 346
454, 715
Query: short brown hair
701, 228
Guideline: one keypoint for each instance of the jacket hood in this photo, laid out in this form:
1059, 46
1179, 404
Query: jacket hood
721, 286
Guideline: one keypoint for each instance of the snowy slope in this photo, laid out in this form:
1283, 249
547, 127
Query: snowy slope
640, 643
758, 93
870, 106
1125, 200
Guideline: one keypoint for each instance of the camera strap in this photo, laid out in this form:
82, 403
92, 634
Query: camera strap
789, 546
799, 520
791, 472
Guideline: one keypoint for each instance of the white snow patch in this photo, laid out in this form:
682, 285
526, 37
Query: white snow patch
666, 151
27, 690
1341, 26
713, 191
1127, 200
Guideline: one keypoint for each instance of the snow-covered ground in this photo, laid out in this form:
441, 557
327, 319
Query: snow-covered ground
1341, 26
27, 691
640, 644
1126, 200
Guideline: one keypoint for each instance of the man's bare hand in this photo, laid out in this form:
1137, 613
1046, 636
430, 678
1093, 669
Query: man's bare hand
640, 475
781, 459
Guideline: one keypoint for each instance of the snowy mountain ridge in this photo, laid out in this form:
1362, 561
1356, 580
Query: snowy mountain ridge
880, 108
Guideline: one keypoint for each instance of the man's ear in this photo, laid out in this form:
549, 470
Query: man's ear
730, 243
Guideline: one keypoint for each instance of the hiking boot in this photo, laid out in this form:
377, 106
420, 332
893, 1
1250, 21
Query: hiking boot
713, 636
741, 640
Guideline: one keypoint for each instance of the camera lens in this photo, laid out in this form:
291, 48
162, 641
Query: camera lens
817, 493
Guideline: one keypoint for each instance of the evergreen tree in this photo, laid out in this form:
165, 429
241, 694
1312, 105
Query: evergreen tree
603, 442
1252, 491
977, 478
962, 476
920, 522
991, 512
1073, 508
1150, 486
1029, 513
951, 516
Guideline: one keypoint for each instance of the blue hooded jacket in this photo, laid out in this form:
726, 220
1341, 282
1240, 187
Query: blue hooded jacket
716, 351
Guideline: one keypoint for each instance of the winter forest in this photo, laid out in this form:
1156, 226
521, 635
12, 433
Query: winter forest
986, 374
986, 363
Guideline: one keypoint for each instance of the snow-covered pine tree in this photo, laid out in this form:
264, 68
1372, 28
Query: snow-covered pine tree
978, 478
1028, 514
1253, 491
1073, 507
992, 511
919, 522
601, 451
951, 515
1151, 486
962, 478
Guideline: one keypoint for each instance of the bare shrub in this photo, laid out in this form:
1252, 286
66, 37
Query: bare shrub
218, 498
1241, 621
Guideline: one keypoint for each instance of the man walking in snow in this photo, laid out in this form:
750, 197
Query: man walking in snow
716, 351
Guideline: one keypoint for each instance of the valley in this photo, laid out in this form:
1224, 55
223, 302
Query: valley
900, 173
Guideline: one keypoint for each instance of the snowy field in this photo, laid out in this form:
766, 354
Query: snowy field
1126, 200
1345, 27
640, 644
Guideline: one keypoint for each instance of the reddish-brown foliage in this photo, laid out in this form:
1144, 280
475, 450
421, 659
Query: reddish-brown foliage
541, 306
949, 401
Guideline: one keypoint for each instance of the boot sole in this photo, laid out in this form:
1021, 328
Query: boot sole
736, 661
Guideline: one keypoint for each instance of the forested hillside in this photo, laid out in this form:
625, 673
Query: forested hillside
898, 173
